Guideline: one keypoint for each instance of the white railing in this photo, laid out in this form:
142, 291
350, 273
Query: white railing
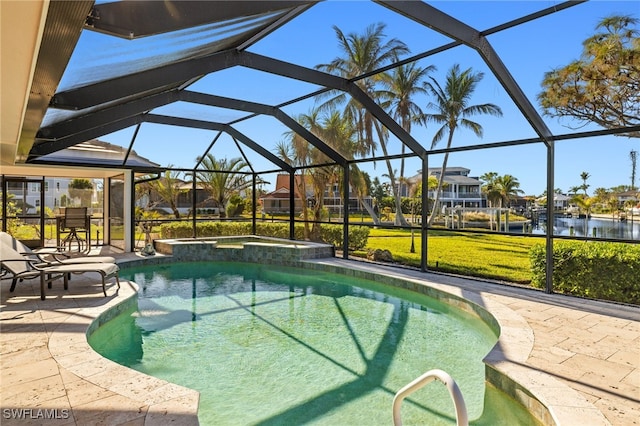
458, 401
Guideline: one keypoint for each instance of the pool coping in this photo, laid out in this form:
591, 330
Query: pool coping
551, 401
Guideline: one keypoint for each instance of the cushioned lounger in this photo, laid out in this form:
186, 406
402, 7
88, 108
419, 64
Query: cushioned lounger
21, 248
21, 267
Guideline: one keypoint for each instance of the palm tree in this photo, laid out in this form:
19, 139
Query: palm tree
338, 133
601, 195
491, 190
364, 54
633, 156
508, 188
401, 85
453, 111
295, 152
222, 178
584, 176
574, 189
585, 203
613, 204
168, 189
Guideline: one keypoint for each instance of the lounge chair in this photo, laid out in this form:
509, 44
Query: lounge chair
19, 267
47, 258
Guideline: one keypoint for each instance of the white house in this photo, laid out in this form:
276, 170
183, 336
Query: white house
459, 188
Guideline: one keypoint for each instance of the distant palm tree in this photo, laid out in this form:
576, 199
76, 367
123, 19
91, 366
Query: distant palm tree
584, 176
575, 189
633, 156
509, 189
490, 187
223, 178
584, 203
453, 111
491, 190
168, 189
601, 195
613, 204
364, 54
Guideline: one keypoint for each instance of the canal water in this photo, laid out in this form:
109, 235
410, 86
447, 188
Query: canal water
593, 227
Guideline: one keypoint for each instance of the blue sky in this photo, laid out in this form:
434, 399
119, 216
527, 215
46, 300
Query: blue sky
528, 51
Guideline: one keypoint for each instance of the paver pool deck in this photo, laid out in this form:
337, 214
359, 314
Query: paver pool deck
584, 354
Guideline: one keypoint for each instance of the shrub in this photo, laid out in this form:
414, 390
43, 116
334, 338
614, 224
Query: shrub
597, 270
332, 234
236, 206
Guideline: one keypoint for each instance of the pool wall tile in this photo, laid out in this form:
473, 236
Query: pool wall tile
247, 248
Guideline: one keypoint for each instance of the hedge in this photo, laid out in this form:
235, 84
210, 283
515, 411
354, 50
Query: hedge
593, 269
330, 234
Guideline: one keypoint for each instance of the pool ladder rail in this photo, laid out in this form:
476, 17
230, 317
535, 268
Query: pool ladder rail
458, 401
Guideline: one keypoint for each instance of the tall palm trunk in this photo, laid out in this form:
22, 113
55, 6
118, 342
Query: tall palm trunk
399, 219
369, 209
302, 190
434, 212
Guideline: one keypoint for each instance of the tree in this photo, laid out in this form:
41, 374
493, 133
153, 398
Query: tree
574, 189
401, 85
584, 176
298, 152
338, 132
601, 195
453, 111
613, 205
585, 204
223, 178
633, 156
167, 189
364, 54
82, 189
491, 190
500, 190
508, 188
295, 152
602, 87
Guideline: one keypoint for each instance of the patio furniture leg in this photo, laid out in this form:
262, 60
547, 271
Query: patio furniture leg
42, 280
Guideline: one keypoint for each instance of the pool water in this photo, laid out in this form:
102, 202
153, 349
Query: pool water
279, 346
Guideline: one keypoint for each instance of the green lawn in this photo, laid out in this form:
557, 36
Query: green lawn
485, 255
500, 257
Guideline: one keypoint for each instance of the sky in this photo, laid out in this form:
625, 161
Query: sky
528, 51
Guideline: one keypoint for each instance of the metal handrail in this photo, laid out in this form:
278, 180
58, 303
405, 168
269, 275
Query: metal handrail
458, 401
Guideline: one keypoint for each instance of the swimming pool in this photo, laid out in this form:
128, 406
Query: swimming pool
275, 345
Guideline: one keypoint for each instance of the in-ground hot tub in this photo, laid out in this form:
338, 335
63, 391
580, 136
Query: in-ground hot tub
246, 248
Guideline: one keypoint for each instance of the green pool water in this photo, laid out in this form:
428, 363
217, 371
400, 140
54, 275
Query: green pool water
268, 345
